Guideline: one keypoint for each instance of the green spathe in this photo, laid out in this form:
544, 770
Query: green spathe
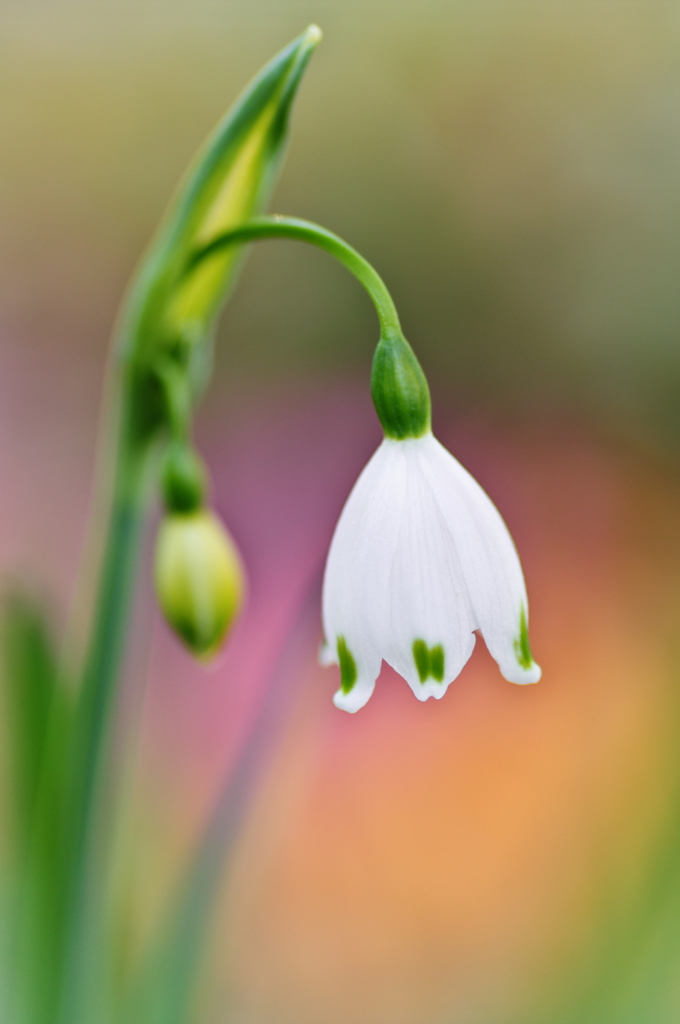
400, 391
168, 317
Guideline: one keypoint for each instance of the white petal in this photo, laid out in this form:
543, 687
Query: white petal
327, 655
357, 696
488, 559
355, 605
429, 603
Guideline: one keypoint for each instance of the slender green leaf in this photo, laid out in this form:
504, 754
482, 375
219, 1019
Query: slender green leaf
29, 677
39, 720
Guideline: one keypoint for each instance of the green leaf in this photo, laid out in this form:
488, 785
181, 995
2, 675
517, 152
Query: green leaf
29, 676
169, 313
39, 717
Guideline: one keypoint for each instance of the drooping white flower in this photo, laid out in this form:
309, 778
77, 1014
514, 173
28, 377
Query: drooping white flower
420, 559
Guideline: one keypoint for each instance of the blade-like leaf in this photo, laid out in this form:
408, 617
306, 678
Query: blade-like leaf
29, 677
38, 722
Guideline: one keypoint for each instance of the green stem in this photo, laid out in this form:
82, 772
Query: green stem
260, 228
95, 706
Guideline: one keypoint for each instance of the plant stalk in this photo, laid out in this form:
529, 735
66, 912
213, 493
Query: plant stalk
96, 707
260, 228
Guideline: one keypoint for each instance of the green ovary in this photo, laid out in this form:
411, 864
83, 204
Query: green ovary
348, 666
429, 661
522, 648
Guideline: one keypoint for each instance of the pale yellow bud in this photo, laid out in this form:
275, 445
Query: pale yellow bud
199, 579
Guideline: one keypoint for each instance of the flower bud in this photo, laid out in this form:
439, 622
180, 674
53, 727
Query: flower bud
199, 579
400, 391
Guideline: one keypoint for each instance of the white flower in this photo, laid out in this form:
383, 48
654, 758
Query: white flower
420, 559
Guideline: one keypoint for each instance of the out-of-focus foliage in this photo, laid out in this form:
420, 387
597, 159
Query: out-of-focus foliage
38, 731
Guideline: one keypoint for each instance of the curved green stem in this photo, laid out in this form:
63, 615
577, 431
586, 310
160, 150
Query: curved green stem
260, 228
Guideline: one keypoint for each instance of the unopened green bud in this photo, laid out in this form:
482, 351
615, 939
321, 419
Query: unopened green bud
400, 391
184, 480
199, 579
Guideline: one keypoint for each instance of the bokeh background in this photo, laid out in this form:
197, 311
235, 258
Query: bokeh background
506, 856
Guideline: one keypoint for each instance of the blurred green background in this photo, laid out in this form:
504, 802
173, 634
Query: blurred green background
511, 168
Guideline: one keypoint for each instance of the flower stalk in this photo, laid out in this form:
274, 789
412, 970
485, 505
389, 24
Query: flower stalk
401, 394
259, 228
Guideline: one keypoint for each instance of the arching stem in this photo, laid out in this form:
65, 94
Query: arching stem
260, 228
